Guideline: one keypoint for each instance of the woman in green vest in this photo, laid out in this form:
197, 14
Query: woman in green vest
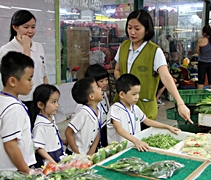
144, 59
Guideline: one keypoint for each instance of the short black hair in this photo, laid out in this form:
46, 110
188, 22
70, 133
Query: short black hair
125, 82
82, 89
168, 36
19, 18
96, 71
14, 64
145, 19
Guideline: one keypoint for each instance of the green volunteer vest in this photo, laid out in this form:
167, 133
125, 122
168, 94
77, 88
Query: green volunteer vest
142, 68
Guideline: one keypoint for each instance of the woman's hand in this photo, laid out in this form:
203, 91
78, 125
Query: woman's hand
184, 112
24, 40
141, 146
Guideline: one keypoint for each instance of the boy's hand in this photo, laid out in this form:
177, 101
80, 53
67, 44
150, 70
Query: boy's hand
141, 146
173, 129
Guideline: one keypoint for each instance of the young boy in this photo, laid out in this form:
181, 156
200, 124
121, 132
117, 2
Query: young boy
124, 117
16, 145
101, 76
83, 131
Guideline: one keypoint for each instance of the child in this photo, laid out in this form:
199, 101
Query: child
16, 145
47, 141
84, 130
124, 117
101, 76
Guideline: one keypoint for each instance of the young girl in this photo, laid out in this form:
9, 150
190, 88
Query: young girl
47, 141
101, 76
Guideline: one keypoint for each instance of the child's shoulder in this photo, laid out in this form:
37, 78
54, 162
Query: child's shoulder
83, 110
8, 104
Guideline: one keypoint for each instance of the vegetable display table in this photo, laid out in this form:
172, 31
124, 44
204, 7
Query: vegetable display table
191, 163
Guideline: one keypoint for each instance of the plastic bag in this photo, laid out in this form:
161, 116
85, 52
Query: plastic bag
132, 164
162, 169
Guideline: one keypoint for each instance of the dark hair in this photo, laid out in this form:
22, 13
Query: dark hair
14, 64
125, 82
81, 90
96, 71
168, 36
207, 30
42, 93
145, 19
19, 18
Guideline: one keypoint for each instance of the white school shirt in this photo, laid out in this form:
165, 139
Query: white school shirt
103, 106
15, 124
45, 135
119, 113
38, 56
85, 125
159, 59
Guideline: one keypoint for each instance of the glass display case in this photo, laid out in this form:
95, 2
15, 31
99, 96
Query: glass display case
179, 21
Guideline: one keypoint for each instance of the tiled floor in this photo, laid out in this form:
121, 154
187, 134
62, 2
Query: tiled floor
161, 117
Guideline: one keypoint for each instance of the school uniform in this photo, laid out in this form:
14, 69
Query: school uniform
46, 136
104, 106
86, 126
15, 124
38, 56
144, 63
129, 119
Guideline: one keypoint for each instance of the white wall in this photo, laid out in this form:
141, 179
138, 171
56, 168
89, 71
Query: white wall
45, 27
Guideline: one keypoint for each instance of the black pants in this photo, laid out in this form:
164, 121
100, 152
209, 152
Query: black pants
203, 69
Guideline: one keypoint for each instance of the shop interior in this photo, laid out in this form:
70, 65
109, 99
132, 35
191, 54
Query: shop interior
74, 35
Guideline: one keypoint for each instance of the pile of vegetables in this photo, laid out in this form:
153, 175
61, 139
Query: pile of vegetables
162, 141
132, 164
161, 169
113, 148
204, 106
71, 174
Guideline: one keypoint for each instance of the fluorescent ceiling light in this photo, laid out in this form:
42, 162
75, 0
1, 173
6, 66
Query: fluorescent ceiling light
5, 7
13, 7
51, 11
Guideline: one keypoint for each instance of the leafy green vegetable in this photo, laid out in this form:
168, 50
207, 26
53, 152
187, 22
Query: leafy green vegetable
205, 101
163, 141
131, 164
162, 169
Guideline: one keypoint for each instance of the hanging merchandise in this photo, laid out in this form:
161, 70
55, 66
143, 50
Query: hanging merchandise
68, 75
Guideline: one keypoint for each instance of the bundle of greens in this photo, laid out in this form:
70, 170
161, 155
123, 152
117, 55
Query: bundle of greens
162, 141
205, 101
132, 164
162, 169
204, 106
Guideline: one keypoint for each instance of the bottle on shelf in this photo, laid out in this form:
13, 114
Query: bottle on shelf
68, 75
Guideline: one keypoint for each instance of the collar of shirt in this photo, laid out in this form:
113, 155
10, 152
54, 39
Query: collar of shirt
32, 48
132, 109
140, 47
44, 121
91, 113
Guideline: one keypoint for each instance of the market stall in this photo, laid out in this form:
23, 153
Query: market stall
187, 158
